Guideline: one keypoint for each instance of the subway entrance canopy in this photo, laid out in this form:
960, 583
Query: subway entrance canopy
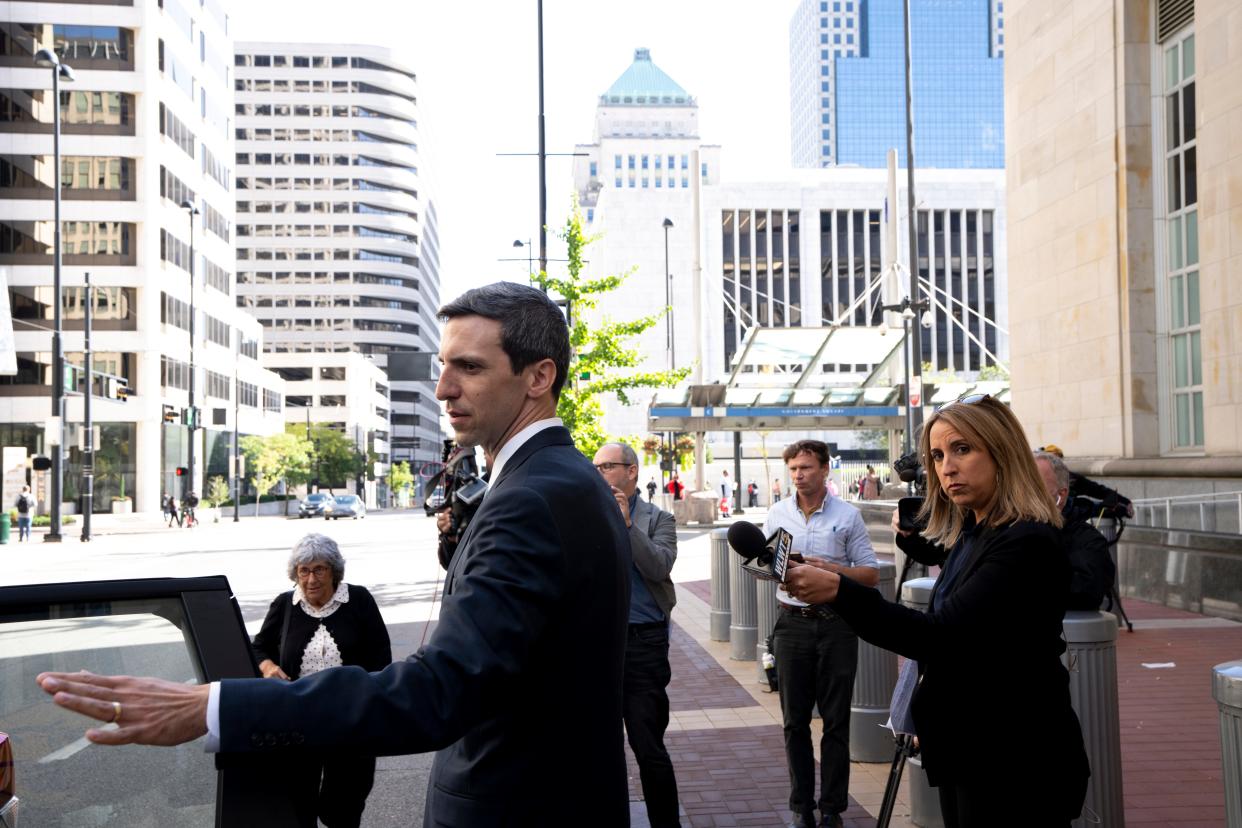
777, 384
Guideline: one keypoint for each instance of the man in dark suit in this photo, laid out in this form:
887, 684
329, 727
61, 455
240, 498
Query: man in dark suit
519, 687
653, 546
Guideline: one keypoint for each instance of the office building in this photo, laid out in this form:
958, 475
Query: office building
847, 82
1125, 188
146, 125
337, 248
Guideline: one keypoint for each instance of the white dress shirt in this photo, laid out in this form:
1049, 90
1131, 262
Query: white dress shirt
835, 532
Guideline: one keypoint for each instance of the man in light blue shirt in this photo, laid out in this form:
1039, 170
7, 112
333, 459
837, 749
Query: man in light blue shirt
816, 652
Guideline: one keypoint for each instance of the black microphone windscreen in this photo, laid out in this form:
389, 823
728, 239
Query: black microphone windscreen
747, 539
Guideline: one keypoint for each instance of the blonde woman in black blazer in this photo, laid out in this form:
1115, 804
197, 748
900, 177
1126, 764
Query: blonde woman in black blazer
992, 709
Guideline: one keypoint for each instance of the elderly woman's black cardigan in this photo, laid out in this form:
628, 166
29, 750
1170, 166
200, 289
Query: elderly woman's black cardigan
356, 626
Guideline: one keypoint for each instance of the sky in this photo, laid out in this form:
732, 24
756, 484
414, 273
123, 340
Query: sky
477, 70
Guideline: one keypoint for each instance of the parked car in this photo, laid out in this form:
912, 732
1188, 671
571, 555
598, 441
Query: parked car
313, 504
347, 505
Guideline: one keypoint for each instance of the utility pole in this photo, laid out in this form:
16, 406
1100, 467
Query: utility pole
88, 444
915, 390
543, 162
192, 211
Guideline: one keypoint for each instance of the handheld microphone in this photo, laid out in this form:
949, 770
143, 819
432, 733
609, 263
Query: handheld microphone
766, 558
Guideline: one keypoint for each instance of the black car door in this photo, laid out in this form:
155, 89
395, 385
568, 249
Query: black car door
184, 629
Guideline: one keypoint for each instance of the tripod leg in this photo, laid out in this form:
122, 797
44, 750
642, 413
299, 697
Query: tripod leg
1119, 610
894, 782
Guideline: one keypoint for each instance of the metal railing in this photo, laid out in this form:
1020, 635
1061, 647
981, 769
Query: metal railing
1209, 508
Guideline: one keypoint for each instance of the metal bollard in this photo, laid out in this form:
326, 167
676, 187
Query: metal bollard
720, 615
1091, 657
1227, 690
744, 622
767, 612
924, 800
874, 681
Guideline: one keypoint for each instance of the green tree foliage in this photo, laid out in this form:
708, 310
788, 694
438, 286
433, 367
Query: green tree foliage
334, 458
603, 362
400, 479
217, 492
276, 457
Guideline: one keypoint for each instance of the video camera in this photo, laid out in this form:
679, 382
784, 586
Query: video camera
463, 494
910, 470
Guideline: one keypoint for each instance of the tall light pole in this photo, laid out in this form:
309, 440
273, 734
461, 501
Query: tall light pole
530, 265
907, 310
543, 162
191, 212
48, 59
668, 330
916, 339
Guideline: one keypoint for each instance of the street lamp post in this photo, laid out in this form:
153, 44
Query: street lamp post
908, 309
668, 332
191, 212
530, 264
48, 59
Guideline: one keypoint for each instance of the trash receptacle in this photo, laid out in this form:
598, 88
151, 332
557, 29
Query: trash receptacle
874, 680
1091, 658
6, 526
924, 799
1227, 690
720, 613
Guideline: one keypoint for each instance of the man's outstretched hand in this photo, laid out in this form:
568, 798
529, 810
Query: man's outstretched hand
153, 711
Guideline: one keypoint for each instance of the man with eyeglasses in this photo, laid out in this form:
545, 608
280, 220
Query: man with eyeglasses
653, 547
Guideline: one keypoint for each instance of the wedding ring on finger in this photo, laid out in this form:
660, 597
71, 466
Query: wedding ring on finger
116, 713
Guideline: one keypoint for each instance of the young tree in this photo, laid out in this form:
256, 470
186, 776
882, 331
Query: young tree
281, 456
602, 360
400, 480
217, 492
333, 457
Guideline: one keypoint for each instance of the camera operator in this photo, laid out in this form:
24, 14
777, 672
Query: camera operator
1083, 491
817, 652
1093, 568
653, 546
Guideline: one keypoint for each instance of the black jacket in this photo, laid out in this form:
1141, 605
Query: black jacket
993, 701
357, 628
519, 686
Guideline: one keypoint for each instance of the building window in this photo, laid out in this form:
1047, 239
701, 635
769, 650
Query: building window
1181, 234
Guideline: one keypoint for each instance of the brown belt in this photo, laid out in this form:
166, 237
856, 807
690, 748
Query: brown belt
806, 612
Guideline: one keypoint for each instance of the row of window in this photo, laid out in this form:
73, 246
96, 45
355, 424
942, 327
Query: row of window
646, 183
219, 386
217, 330
77, 109
312, 183
646, 162
174, 189
318, 159
215, 222
319, 254
326, 231
82, 47
316, 62
321, 134
177, 132
307, 324
317, 111
77, 172
78, 238
286, 277
217, 169
307, 207
325, 301
176, 252
321, 86
174, 312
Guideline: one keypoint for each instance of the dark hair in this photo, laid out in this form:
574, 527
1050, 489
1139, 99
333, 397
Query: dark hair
816, 448
532, 327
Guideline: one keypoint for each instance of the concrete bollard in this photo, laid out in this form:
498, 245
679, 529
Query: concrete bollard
720, 614
744, 621
1227, 690
874, 681
924, 800
767, 611
1091, 657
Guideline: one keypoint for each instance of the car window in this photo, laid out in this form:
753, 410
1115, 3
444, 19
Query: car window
186, 630
344, 498
316, 497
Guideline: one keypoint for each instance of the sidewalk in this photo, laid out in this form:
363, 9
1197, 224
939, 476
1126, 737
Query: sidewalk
727, 747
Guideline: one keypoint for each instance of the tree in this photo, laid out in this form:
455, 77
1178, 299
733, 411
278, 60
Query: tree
276, 457
602, 362
217, 492
400, 479
333, 457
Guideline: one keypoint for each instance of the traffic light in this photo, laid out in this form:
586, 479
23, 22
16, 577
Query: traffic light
189, 416
70, 378
118, 389
182, 471
170, 414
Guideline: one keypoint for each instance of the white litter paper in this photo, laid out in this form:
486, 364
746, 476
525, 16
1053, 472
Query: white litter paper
1159, 665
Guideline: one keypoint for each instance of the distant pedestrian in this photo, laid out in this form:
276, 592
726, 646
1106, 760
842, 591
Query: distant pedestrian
651, 490
24, 506
191, 503
752, 494
871, 485
173, 514
776, 491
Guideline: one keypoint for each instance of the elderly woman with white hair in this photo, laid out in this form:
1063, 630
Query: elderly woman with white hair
324, 622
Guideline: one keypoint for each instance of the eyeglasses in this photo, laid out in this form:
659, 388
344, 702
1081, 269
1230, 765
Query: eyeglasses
604, 468
320, 572
969, 399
